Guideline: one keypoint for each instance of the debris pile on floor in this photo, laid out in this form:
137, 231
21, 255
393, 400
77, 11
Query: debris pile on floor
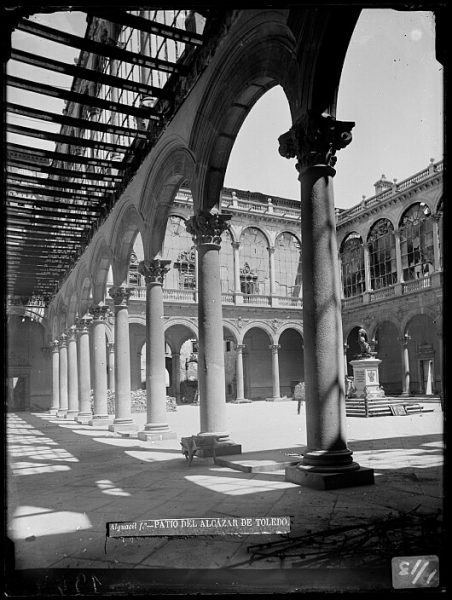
370, 544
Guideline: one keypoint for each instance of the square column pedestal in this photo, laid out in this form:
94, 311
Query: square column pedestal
366, 378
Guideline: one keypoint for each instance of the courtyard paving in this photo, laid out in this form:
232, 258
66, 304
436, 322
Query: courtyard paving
66, 481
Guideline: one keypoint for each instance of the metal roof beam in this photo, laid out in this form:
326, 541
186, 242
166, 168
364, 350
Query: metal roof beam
16, 160
90, 75
56, 183
76, 123
78, 98
98, 48
29, 153
121, 17
53, 193
65, 139
65, 207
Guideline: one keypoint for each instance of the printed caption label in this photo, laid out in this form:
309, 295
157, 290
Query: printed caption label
200, 526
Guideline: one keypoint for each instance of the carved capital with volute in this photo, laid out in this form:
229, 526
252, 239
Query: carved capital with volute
314, 140
100, 312
120, 294
206, 227
154, 271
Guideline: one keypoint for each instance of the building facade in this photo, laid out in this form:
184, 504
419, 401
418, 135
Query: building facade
390, 257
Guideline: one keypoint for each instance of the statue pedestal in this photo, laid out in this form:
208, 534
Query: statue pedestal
366, 378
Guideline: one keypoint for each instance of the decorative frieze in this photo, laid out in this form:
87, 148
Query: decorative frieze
206, 228
154, 271
314, 139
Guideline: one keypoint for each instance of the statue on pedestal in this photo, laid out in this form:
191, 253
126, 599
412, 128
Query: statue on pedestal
364, 346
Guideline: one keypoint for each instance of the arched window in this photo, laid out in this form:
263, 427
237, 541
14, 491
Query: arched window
254, 262
416, 241
287, 265
352, 261
226, 263
383, 269
179, 248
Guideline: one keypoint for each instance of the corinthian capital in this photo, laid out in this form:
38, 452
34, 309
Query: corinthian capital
206, 228
314, 139
120, 295
100, 312
154, 271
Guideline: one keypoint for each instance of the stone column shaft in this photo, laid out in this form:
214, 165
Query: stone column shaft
436, 243
123, 410
367, 274
406, 367
314, 140
206, 229
63, 389
239, 373
99, 375
176, 374
111, 367
55, 379
84, 378
72, 374
398, 255
276, 392
157, 427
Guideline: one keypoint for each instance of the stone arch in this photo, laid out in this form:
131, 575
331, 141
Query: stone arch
424, 354
261, 53
128, 224
173, 167
388, 349
291, 359
100, 263
257, 361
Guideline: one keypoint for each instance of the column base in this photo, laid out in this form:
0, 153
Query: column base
240, 401
71, 415
306, 476
155, 436
61, 414
100, 420
84, 418
52, 411
278, 399
221, 449
123, 425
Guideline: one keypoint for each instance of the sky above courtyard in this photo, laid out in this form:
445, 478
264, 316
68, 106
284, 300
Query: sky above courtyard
391, 87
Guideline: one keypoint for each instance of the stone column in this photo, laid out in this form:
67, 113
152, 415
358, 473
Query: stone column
398, 255
436, 242
206, 229
276, 393
72, 373
157, 427
55, 379
271, 257
367, 277
111, 366
84, 379
405, 365
327, 462
63, 391
239, 373
346, 346
123, 420
176, 375
237, 288
99, 375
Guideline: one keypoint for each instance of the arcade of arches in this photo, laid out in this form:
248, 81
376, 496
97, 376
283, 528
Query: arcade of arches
218, 282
